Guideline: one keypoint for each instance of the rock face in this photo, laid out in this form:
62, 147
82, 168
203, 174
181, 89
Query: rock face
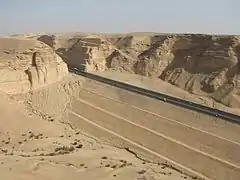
207, 65
86, 53
27, 65
201, 64
154, 60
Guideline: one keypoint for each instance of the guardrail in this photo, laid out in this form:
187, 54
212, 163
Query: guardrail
169, 99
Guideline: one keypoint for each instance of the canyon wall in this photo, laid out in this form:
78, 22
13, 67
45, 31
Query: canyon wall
27, 65
200, 64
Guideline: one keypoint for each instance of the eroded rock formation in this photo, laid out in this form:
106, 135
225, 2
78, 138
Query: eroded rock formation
28, 64
201, 64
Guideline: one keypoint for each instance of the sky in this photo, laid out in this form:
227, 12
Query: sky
120, 16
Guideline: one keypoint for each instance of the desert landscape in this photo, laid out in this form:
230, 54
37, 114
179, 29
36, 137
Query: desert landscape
203, 65
55, 124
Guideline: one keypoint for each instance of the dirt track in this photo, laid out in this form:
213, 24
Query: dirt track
199, 144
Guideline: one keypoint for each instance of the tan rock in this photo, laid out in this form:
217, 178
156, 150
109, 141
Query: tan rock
28, 64
200, 64
88, 53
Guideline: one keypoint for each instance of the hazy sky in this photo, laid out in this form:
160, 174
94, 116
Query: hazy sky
181, 16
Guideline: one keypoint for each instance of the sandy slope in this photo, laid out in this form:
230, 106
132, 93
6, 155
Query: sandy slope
161, 86
37, 140
36, 148
190, 138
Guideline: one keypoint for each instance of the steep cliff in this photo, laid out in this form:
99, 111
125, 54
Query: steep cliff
200, 64
83, 52
206, 65
28, 64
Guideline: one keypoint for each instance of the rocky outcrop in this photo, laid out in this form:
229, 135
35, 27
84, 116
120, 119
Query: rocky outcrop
27, 65
154, 60
200, 64
50, 40
121, 62
85, 53
207, 65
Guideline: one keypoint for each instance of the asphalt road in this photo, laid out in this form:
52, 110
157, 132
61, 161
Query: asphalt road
163, 97
196, 143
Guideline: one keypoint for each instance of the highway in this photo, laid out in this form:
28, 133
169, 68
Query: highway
199, 144
163, 97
